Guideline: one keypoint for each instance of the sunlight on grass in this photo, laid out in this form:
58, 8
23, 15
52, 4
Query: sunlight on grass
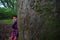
8, 21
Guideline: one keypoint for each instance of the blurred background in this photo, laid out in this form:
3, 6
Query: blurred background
7, 10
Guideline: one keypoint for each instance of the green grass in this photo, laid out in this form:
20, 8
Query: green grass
6, 21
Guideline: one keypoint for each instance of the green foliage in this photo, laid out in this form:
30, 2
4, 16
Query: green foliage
7, 13
9, 3
9, 9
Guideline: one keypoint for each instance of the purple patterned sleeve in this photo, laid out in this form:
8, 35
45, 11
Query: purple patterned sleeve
14, 26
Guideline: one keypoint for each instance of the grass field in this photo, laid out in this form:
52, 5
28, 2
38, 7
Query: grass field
6, 21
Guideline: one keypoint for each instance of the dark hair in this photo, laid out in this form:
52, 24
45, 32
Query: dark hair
15, 16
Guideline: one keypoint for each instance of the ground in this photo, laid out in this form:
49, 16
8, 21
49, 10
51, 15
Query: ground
6, 21
5, 29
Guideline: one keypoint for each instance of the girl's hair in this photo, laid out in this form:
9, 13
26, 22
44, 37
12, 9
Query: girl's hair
15, 16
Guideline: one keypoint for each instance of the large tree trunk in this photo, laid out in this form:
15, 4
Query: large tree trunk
24, 11
35, 25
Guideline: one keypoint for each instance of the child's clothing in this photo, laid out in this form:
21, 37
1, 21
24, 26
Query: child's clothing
14, 33
15, 30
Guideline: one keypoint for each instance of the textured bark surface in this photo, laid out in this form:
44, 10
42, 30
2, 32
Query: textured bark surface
25, 15
34, 19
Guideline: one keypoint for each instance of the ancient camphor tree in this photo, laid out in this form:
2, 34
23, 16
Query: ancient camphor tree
36, 19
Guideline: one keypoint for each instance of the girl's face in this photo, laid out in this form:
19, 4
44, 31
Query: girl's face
14, 18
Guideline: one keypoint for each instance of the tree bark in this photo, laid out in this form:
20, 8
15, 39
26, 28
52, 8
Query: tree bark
31, 24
